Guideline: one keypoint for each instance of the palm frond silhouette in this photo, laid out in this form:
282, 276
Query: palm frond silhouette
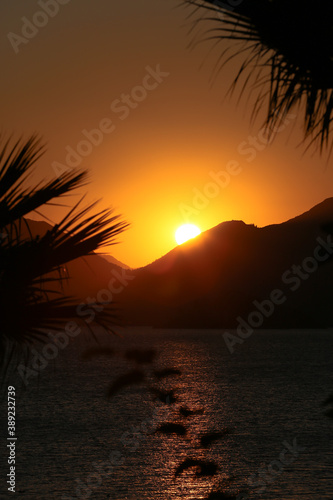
31, 266
166, 372
285, 51
211, 437
133, 377
172, 428
167, 397
202, 467
141, 357
187, 412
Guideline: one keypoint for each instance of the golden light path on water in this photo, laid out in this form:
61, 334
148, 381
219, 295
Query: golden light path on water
112, 447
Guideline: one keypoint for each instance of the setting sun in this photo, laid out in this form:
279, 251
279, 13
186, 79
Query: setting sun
186, 232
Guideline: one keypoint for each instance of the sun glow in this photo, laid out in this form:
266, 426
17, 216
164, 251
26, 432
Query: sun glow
186, 232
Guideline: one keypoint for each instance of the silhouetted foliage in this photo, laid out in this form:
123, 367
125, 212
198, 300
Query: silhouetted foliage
207, 439
31, 267
171, 428
141, 357
202, 467
285, 54
166, 372
186, 412
132, 378
199, 467
164, 396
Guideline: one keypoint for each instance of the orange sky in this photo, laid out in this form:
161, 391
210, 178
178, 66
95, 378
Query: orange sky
156, 158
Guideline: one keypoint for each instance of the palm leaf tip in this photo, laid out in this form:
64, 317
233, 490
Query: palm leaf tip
286, 54
17, 197
31, 265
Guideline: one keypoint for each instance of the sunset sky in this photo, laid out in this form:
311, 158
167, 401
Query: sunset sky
165, 147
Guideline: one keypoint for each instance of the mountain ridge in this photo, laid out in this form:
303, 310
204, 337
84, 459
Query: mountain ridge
216, 278
213, 279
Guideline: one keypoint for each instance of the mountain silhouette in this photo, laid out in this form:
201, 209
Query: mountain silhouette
222, 275
212, 280
115, 261
84, 277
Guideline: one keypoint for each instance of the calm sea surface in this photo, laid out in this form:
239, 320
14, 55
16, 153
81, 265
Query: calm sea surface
75, 442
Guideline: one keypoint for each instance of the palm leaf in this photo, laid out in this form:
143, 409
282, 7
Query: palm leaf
17, 198
286, 48
31, 266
